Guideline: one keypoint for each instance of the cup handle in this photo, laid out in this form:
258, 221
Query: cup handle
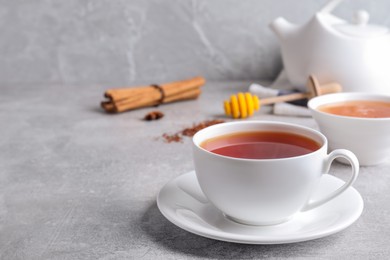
351, 158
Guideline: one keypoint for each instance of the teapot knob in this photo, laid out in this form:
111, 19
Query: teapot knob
361, 17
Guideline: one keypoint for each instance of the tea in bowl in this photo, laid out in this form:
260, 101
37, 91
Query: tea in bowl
263, 173
359, 122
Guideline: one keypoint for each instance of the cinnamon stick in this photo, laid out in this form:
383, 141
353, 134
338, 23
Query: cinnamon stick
123, 99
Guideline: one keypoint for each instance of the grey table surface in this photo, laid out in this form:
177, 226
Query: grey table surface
77, 183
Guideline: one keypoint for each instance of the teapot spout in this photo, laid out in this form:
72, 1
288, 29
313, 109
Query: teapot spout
282, 28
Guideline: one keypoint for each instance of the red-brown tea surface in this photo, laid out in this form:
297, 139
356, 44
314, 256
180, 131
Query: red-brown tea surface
261, 145
358, 108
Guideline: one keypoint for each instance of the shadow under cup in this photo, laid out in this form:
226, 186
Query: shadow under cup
262, 191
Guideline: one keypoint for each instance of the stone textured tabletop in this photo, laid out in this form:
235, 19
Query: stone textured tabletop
77, 183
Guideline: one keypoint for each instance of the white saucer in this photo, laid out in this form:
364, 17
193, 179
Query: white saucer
182, 202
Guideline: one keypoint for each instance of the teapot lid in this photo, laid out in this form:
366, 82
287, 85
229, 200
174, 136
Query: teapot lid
360, 27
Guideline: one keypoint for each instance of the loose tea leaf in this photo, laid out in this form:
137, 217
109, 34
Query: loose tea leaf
190, 131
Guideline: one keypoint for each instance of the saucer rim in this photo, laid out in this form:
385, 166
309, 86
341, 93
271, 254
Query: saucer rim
260, 240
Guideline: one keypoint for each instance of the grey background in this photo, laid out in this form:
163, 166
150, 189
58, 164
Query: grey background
121, 42
76, 183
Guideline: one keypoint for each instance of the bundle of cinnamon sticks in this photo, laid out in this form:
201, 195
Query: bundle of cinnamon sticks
123, 99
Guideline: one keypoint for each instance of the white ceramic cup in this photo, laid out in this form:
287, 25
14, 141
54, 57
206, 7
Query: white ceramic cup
265, 191
367, 138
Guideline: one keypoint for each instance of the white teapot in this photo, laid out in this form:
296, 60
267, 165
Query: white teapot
356, 55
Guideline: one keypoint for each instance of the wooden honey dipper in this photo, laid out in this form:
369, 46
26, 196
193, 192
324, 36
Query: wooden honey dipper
244, 105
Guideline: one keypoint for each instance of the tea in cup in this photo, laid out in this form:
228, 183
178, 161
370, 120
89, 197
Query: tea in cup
359, 122
263, 173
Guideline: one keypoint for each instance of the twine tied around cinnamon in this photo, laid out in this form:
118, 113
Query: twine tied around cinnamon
123, 99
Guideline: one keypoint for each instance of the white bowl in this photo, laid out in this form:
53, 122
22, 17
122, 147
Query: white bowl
367, 138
